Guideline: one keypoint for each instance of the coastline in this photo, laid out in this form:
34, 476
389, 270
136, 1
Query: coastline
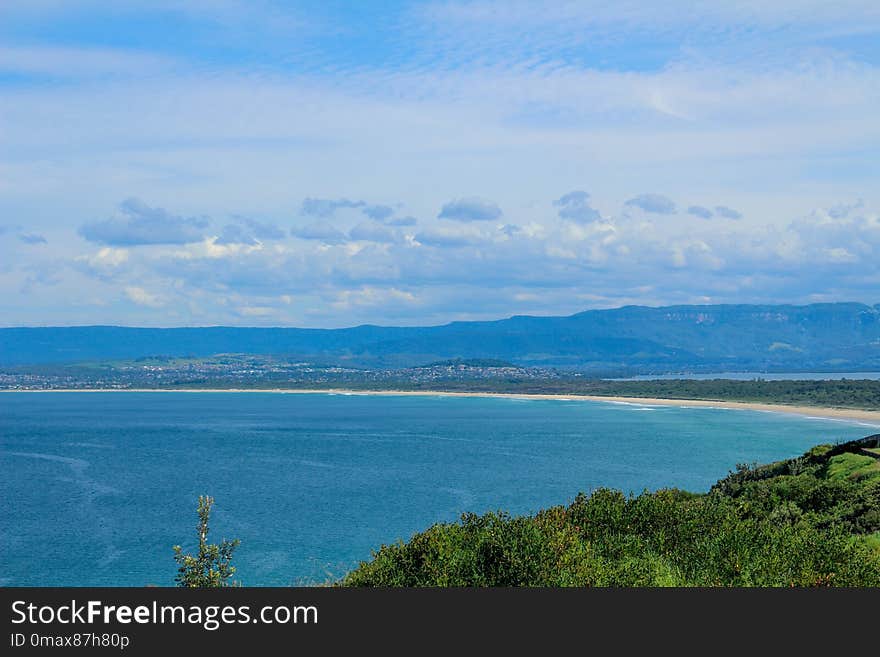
851, 414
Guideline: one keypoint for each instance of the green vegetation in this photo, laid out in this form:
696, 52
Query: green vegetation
864, 394
853, 466
808, 521
211, 568
856, 393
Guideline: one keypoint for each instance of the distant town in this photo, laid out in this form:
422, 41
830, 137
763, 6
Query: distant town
480, 375
248, 371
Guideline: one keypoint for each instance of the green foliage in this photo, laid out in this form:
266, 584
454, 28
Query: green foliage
793, 523
211, 567
819, 451
843, 393
852, 466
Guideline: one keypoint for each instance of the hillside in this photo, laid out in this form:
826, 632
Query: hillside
840, 336
809, 521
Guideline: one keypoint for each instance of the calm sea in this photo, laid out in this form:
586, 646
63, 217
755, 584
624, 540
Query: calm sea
95, 488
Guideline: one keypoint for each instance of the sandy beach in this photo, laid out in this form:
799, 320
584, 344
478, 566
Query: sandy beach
852, 414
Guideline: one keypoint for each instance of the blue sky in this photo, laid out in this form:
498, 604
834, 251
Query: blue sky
337, 163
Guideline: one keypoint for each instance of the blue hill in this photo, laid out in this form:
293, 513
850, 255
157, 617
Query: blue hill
834, 336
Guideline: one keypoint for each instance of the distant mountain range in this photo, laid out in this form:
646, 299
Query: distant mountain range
825, 337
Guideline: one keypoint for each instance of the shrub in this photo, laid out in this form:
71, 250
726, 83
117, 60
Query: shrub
803, 522
211, 567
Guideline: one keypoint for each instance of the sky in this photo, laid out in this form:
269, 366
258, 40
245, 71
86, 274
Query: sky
328, 163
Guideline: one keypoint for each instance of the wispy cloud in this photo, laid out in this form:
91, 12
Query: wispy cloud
322, 207
402, 221
80, 62
32, 238
613, 35
378, 212
445, 238
470, 209
141, 297
700, 211
372, 232
249, 231
655, 203
318, 231
727, 213
348, 125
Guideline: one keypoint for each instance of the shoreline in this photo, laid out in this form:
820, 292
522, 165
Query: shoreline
823, 412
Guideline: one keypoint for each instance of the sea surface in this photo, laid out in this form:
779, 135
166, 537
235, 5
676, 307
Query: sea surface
95, 488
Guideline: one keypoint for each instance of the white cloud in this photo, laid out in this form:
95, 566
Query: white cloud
372, 232
670, 259
443, 237
371, 296
256, 311
141, 297
560, 252
106, 257
516, 100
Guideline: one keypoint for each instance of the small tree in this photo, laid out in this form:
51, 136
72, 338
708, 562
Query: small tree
211, 567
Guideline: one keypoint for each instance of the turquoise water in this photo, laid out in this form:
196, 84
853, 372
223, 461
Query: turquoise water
95, 488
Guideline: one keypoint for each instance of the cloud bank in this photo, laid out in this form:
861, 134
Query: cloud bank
470, 209
140, 224
654, 203
576, 206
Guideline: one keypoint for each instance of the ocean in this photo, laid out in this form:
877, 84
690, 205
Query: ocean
95, 488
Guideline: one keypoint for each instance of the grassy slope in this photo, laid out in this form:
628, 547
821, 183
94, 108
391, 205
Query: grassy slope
852, 467
810, 521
